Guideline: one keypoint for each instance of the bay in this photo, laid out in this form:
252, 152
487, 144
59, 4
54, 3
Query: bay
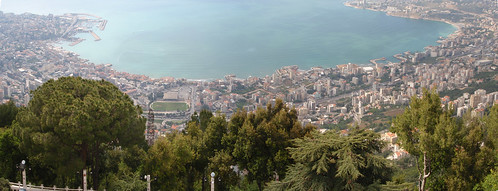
207, 39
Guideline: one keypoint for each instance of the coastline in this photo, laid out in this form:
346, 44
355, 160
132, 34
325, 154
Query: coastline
456, 33
369, 63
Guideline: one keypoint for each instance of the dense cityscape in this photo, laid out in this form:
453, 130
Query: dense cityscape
322, 96
462, 68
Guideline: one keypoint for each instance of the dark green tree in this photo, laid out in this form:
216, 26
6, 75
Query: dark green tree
10, 155
221, 164
123, 168
204, 118
71, 122
330, 161
8, 112
168, 160
471, 161
216, 129
262, 140
4, 185
421, 130
125, 179
490, 182
491, 126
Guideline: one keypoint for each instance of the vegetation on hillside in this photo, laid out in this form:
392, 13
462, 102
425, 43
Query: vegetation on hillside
73, 124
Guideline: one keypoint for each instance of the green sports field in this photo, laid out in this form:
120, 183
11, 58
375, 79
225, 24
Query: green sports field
169, 106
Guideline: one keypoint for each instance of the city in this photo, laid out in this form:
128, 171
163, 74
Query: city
322, 96
291, 115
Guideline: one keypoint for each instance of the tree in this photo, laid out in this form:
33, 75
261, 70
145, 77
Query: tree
71, 121
490, 182
204, 118
10, 155
4, 185
416, 129
168, 161
123, 169
8, 112
491, 124
330, 161
262, 141
221, 164
471, 161
125, 179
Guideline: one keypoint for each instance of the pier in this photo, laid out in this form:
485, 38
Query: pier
374, 61
400, 57
102, 25
76, 42
97, 38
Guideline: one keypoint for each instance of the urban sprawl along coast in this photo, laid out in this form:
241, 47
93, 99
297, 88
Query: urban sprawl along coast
463, 68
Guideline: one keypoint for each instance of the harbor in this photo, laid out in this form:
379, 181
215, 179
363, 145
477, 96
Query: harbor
84, 23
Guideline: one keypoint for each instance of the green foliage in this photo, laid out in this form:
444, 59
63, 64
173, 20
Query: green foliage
204, 118
406, 170
8, 113
124, 179
425, 131
490, 182
330, 161
255, 142
262, 139
454, 155
391, 186
417, 124
10, 155
471, 161
491, 123
245, 185
167, 161
225, 175
4, 185
80, 118
122, 169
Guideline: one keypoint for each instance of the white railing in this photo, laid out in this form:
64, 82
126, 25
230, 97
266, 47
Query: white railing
18, 186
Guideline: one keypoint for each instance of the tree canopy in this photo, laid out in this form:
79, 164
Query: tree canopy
452, 153
331, 161
73, 124
255, 142
8, 113
70, 122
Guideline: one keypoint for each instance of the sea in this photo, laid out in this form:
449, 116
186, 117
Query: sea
208, 39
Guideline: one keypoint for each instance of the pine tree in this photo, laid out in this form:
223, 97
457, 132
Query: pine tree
71, 122
330, 161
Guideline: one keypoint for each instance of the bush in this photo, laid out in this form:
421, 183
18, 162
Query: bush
4, 184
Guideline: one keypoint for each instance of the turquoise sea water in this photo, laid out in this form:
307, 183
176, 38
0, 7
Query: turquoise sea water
205, 39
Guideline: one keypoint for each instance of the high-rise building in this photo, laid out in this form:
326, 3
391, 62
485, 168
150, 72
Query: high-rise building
474, 100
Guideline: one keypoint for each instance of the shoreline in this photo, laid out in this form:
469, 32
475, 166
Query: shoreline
347, 4
456, 33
